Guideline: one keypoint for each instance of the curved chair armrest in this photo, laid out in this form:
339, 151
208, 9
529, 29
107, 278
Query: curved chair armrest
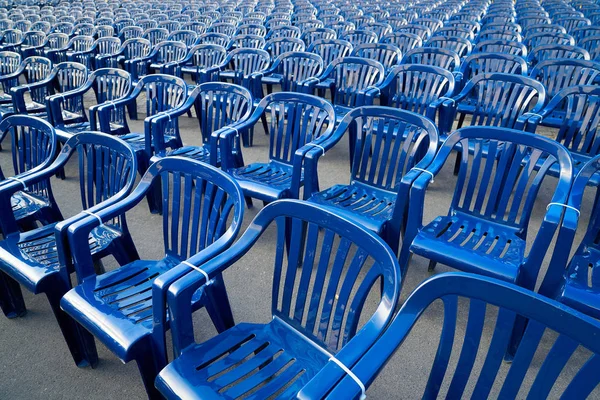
180, 293
79, 231
105, 108
370, 94
55, 102
312, 152
308, 85
530, 121
208, 74
416, 204
432, 109
13, 75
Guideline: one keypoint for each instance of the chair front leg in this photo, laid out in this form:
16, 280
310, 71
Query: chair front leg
11, 297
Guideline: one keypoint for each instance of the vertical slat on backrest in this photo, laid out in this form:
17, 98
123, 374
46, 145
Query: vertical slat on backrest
442, 356
307, 271
585, 381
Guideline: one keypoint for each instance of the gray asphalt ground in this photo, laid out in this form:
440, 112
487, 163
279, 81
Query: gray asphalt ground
35, 362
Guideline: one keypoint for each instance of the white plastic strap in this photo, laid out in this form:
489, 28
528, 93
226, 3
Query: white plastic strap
321, 147
237, 133
565, 206
94, 215
459, 75
192, 266
535, 115
21, 181
447, 98
427, 172
164, 113
351, 375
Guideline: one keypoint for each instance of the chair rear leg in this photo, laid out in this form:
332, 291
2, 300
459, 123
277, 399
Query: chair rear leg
80, 342
431, 266
149, 369
11, 297
217, 305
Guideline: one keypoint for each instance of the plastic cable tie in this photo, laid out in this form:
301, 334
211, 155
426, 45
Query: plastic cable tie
458, 74
321, 147
351, 375
237, 133
94, 215
447, 98
427, 172
192, 266
21, 181
565, 206
535, 115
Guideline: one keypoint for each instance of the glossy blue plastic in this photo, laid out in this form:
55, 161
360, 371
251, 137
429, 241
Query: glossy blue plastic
68, 109
76, 45
155, 35
353, 82
290, 70
246, 41
357, 37
403, 40
40, 259
33, 43
387, 54
283, 31
238, 66
309, 36
557, 75
385, 143
63, 78
217, 105
131, 49
125, 308
420, 30
482, 63
486, 228
108, 46
330, 49
33, 146
162, 59
459, 45
279, 45
553, 334
494, 99
295, 346
297, 123
556, 51
186, 36
163, 95
11, 40
213, 38
199, 58
446, 59
417, 88
501, 46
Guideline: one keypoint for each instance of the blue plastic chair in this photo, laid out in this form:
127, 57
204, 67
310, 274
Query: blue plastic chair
290, 70
68, 110
9, 63
432, 23
294, 347
217, 105
75, 45
251, 29
164, 94
125, 309
187, 37
330, 49
155, 35
298, 122
238, 66
537, 39
446, 59
33, 147
560, 74
222, 27
387, 54
213, 38
130, 50
385, 144
309, 36
574, 280
403, 40
456, 31
420, 30
33, 43
359, 36
277, 46
108, 46
283, 31
482, 63
486, 228
39, 260
63, 78
199, 58
414, 87
499, 34
552, 326
32, 69
501, 46
556, 51
575, 111
353, 82
162, 59
11, 40
459, 45
495, 99
246, 41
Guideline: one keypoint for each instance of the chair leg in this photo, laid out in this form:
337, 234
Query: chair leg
149, 369
11, 297
218, 306
80, 342
132, 110
249, 203
431, 266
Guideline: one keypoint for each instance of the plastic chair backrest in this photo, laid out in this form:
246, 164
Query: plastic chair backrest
481, 63
213, 38
501, 46
442, 58
351, 77
387, 54
329, 50
562, 73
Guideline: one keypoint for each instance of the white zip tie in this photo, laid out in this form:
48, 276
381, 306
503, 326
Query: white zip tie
21, 181
459, 74
94, 215
535, 115
192, 266
164, 113
427, 172
565, 206
237, 133
321, 147
447, 98
351, 375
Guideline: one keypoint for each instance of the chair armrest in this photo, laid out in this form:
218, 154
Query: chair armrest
179, 297
311, 153
530, 121
55, 102
416, 205
104, 109
308, 85
446, 115
156, 125
79, 231
433, 108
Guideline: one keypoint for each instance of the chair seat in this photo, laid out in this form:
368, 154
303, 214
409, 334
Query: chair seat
32, 256
138, 140
265, 181
27, 204
472, 244
116, 307
272, 361
579, 292
6, 110
200, 153
67, 131
373, 208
